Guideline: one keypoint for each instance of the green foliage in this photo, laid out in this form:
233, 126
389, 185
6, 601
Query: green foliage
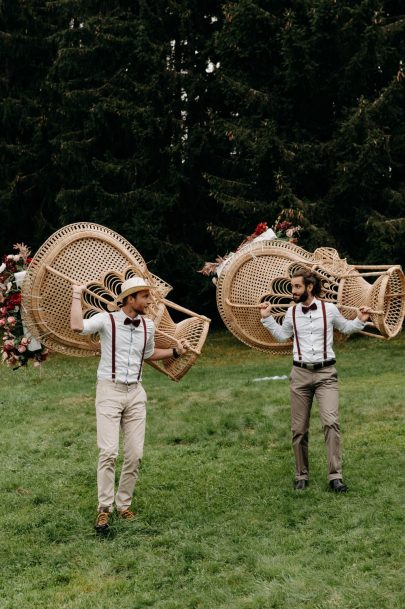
324, 131
183, 124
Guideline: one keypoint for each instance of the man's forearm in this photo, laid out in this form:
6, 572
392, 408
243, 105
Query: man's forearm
76, 313
159, 354
280, 333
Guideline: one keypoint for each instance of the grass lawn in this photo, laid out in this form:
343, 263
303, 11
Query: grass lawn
218, 524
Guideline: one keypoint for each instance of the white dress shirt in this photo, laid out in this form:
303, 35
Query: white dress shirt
311, 332
129, 343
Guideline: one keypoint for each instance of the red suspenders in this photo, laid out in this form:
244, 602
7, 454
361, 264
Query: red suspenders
325, 329
113, 341
144, 347
112, 347
297, 342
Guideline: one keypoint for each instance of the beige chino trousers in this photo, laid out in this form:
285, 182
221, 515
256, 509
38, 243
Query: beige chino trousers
304, 386
119, 406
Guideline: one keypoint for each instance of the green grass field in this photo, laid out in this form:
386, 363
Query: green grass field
218, 524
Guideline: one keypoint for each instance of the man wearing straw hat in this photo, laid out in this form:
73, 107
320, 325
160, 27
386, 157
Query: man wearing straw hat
311, 321
127, 339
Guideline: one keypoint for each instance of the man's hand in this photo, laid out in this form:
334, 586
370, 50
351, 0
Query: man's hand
364, 313
78, 289
265, 309
182, 346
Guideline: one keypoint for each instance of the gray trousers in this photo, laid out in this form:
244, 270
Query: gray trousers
119, 406
304, 386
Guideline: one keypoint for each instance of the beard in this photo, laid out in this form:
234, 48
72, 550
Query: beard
301, 298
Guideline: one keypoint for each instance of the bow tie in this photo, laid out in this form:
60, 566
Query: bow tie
312, 307
131, 322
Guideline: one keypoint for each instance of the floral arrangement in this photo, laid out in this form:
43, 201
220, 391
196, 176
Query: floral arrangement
287, 226
17, 347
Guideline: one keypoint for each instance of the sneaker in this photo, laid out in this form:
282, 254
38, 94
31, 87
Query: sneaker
126, 514
102, 521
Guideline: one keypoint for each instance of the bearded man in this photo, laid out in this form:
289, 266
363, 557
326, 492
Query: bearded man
311, 322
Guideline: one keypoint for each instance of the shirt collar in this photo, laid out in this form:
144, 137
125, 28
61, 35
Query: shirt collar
122, 315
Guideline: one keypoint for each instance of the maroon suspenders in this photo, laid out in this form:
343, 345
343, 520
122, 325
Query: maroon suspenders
144, 347
112, 347
325, 329
113, 343
297, 342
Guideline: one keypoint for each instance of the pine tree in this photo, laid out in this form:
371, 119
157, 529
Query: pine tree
26, 53
302, 121
129, 91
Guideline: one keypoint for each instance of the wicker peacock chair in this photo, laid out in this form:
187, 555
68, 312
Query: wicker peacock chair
260, 272
95, 256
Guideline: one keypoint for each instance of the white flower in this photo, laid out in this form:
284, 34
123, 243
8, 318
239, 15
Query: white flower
268, 234
2, 267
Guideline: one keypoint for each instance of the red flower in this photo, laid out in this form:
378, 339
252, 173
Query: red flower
14, 300
260, 228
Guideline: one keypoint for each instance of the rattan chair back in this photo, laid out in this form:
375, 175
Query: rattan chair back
84, 254
261, 272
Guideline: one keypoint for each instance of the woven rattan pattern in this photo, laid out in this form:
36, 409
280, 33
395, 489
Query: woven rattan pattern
262, 271
84, 254
167, 332
193, 329
78, 253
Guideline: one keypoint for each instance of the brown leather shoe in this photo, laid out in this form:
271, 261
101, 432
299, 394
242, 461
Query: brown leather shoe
126, 514
102, 521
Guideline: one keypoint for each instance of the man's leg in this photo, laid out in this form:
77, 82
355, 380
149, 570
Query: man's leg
327, 396
133, 424
302, 392
108, 410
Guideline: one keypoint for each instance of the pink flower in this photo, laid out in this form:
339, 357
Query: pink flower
25, 341
8, 345
11, 320
2, 322
22, 349
3, 310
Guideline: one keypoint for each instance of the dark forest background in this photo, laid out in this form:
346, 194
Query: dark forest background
183, 124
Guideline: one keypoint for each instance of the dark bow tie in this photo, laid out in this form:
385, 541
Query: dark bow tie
312, 307
132, 322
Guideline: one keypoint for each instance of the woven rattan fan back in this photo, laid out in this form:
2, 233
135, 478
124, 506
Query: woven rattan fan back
85, 254
260, 272
78, 253
100, 296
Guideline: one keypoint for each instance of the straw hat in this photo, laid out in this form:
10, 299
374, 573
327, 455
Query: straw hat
131, 286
